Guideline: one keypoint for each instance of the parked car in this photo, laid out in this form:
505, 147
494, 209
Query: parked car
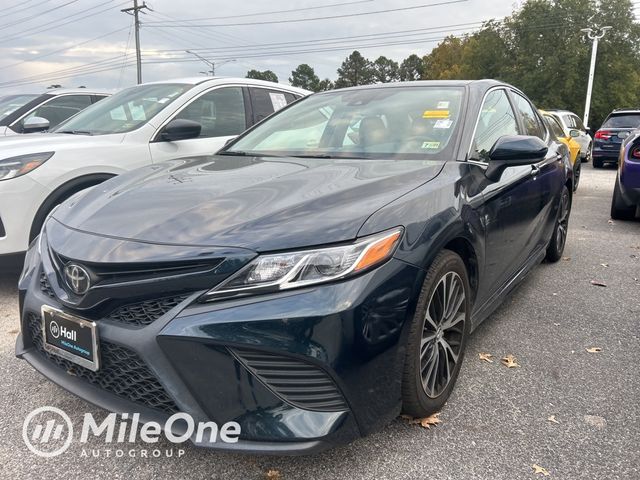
135, 127
625, 204
570, 121
306, 282
568, 138
608, 140
39, 113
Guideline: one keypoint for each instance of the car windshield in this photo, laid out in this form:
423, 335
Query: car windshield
124, 111
622, 120
394, 122
11, 103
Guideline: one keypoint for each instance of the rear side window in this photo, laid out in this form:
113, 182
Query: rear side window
266, 101
496, 120
569, 121
532, 123
554, 126
220, 112
578, 123
59, 109
622, 120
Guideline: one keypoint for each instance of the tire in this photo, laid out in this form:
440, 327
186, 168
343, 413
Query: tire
619, 209
576, 175
432, 350
587, 156
597, 163
559, 237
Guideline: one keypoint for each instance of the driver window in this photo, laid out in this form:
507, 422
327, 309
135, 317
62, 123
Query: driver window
59, 109
496, 120
220, 112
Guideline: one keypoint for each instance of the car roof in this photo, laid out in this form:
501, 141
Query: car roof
559, 111
480, 84
626, 110
65, 91
224, 80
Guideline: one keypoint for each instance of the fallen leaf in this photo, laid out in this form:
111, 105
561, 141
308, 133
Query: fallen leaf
552, 419
594, 350
611, 222
557, 324
510, 361
486, 357
426, 422
273, 475
566, 259
597, 283
605, 265
538, 469
13, 332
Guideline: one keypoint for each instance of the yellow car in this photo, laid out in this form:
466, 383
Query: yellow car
568, 138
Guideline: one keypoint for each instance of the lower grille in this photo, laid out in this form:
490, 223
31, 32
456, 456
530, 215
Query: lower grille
297, 382
122, 372
45, 286
146, 312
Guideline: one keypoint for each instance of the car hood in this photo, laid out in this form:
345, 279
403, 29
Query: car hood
14, 145
263, 204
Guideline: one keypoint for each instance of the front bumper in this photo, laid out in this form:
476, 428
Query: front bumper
20, 199
300, 371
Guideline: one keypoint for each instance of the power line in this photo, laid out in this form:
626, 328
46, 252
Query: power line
273, 12
31, 17
135, 11
6, 11
331, 17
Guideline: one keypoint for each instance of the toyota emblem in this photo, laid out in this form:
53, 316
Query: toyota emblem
77, 279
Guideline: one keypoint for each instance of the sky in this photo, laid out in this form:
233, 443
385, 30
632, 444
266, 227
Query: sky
91, 42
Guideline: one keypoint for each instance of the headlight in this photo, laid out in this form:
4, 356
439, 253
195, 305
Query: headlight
16, 166
283, 271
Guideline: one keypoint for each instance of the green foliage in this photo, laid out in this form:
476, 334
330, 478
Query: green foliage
355, 70
385, 70
305, 77
411, 68
267, 75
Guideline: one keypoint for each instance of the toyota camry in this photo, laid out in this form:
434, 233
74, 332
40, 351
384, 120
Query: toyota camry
317, 277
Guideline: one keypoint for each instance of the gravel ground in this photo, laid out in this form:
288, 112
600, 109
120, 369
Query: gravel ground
495, 426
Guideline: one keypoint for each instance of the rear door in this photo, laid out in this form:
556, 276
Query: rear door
265, 101
222, 114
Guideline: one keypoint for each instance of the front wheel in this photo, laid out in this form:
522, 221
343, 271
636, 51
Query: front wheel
437, 336
559, 237
576, 175
619, 209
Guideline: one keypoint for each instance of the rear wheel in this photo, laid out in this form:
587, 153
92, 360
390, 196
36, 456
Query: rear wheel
587, 155
576, 174
559, 237
437, 336
619, 209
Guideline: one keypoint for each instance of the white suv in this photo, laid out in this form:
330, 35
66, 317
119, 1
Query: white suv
137, 126
571, 121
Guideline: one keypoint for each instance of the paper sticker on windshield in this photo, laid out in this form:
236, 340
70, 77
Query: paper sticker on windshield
435, 114
443, 124
278, 100
443, 106
431, 145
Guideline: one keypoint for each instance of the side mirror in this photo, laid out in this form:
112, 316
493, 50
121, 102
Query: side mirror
35, 124
513, 151
573, 133
180, 129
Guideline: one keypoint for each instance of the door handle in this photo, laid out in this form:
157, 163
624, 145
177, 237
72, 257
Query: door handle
535, 170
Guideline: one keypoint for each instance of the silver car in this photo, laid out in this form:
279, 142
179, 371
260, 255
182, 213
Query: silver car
571, 121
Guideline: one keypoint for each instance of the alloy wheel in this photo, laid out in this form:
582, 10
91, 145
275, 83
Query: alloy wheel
563, 221
442, 334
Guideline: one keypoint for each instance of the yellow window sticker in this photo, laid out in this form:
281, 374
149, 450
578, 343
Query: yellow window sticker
435, 114
431, 145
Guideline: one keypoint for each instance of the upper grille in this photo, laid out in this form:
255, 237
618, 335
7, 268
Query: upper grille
122, 372
45, 286
146, 312
297, 382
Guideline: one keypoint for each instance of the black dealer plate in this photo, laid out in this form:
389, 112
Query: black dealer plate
70, 337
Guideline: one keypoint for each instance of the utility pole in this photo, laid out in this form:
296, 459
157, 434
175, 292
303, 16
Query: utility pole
210, 63
595, 35
135, 11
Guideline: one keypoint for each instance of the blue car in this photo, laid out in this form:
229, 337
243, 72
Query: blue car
626, 191
315, 278
608, 139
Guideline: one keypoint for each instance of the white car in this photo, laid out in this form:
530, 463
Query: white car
570, 121
29, 113
137, 126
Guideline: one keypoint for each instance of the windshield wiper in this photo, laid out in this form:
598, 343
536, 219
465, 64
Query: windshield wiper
313, 155
76, 132
240, 153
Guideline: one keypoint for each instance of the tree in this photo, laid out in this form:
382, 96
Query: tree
411, 68
355, 70
385, 70
325, 85
267, 75
444, 61
305, 77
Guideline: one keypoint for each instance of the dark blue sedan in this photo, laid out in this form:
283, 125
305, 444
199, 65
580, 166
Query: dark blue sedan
311, 281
